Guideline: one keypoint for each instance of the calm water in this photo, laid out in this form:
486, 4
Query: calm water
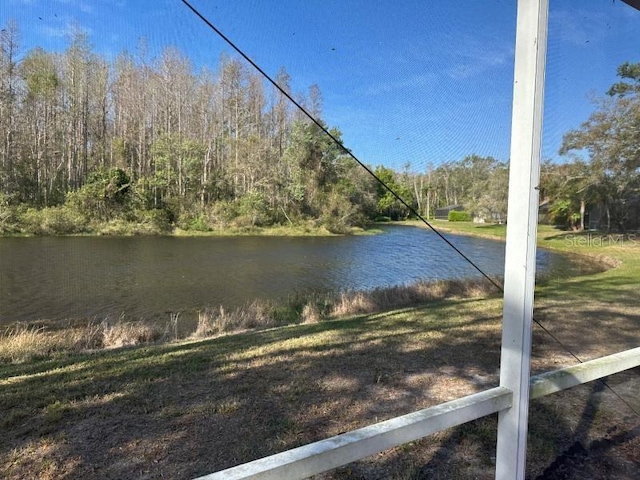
57, 278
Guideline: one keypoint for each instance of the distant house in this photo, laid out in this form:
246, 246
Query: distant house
623, 215
492, 217
498, 217
443, 212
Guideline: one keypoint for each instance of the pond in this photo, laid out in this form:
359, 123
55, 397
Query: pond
58, 278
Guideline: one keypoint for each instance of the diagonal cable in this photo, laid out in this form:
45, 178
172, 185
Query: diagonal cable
338, 142
381, 182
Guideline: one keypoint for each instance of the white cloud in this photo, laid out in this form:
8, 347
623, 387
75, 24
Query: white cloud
423, 80
64, 32
81, 5
473, 55
54, 32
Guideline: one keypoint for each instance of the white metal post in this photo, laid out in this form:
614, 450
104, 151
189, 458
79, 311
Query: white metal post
522, 222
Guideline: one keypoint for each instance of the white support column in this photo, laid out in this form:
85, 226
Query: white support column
522, 223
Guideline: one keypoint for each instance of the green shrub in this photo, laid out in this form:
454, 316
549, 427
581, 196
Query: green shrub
158, 219
336, 226
193, 222
9, 216
106, 194
221, 213
253, 208
116, 227
199, 224
455, 216
53, 221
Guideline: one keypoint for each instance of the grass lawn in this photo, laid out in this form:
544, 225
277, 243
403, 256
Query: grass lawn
186, 409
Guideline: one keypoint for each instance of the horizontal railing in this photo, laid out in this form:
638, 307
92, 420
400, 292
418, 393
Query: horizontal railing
348, 447
552, 382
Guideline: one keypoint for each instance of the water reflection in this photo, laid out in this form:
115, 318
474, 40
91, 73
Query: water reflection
78, 277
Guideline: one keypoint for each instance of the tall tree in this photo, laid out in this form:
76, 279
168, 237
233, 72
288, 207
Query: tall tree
8, 104
42, 159
610, 139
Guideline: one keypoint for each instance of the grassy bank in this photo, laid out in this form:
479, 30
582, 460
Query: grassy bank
21, 343
44, 226
295, 230
178, 410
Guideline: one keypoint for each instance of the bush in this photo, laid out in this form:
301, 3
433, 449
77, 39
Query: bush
53, 221
116, 227
336, 226
254, 210
9, 216
106, 194
159, 220
193, 222
221, 213
455, 216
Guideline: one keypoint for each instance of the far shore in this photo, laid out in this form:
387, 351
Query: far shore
132, 230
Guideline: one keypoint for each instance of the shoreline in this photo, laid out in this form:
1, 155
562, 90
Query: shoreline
546, 236
271, 231
584, 264
22, 342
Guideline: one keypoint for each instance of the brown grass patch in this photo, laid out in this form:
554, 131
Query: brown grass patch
22, 343
127, 334
420, 292
311, 313
215, 321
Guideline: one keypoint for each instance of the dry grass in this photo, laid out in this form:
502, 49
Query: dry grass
421, 292
116, 413
127, 334
311, 313
22, 343
261, 314
256, 314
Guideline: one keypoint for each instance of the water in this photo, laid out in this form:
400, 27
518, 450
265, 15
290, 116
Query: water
57, 278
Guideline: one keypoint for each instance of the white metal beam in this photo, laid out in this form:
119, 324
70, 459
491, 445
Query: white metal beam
522, 222
333, 452
552, 382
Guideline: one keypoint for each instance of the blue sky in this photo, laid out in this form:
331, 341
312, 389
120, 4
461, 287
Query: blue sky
413, 81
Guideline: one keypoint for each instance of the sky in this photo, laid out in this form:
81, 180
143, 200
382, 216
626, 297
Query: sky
407, 82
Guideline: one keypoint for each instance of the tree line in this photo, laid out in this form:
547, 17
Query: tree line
151, 136
153, 141
96, 145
